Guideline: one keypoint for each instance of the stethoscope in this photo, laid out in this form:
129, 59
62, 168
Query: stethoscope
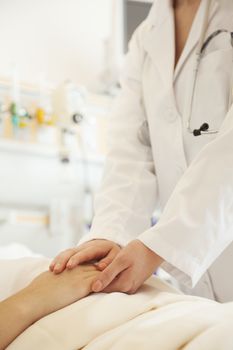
203, 44
201, 49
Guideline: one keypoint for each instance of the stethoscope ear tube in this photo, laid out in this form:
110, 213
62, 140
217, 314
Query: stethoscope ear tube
198, 132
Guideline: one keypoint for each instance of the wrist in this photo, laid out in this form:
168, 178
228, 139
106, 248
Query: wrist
29, 305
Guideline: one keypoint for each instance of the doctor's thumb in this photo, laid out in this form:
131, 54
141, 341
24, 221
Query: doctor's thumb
97, 286
104, 279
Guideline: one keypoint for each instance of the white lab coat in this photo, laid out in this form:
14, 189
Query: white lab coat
189, 178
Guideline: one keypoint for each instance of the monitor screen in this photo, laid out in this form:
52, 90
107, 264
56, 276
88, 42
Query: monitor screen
134, 13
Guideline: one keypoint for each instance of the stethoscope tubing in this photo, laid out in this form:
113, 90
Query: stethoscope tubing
202, 45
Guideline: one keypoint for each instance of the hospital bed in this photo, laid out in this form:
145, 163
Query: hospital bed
157, 317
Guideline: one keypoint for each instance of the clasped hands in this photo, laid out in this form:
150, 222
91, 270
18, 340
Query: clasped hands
122, 269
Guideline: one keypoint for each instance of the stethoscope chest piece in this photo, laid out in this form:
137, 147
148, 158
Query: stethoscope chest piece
202, 129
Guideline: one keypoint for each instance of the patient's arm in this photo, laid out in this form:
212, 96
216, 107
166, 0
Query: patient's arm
46, 293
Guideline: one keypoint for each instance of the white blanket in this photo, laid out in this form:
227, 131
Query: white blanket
157, 317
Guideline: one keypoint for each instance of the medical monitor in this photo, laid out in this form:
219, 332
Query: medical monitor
134, 12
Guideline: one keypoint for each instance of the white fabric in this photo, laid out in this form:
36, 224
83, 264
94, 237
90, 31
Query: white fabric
16, 251
15, 274
192, 177
157, 317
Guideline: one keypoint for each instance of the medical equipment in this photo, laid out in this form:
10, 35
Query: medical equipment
202, 46
68, 103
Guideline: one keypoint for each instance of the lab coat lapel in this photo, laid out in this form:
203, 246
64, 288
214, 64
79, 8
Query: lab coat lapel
159, 42
195, 34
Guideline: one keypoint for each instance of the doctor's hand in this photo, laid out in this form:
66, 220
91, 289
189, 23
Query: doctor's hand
104, 251
133, 265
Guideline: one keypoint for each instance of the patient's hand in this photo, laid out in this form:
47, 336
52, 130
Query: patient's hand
45, 294
57, 291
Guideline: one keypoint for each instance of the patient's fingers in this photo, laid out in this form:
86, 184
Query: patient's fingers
59, 263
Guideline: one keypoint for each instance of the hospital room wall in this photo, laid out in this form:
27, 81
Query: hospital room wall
28, 34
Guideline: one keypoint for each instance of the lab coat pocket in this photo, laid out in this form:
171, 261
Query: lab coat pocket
213, 89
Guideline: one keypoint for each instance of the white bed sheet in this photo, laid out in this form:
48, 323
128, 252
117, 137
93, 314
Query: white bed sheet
157, 317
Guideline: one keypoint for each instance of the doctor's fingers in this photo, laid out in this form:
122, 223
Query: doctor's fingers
103, 263
86, 255
124, 283
106, 277
59, 262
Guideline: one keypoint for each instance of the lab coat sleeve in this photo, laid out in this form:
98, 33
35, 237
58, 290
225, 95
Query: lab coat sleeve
127, 197
197, 223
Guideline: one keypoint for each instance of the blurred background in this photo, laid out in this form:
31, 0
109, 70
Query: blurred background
59, 75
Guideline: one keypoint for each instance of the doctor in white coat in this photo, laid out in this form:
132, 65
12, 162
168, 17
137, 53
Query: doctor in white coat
155, 161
